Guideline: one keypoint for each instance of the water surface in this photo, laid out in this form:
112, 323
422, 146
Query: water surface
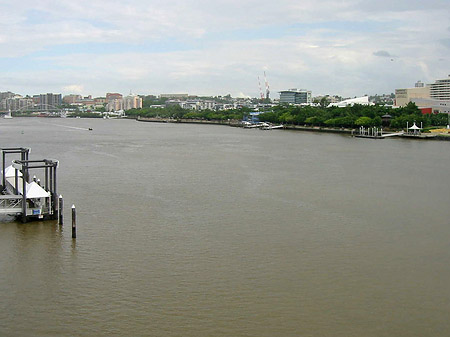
194, 230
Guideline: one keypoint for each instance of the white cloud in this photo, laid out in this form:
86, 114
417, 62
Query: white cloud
73, 88
309, 44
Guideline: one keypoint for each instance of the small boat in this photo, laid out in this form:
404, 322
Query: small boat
270, 126
8, 115
249, 125
276, 127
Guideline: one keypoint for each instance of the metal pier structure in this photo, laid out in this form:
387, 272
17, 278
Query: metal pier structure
375, 133
27, 198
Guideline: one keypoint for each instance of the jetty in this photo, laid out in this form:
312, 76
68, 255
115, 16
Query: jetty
375, 133
25, 197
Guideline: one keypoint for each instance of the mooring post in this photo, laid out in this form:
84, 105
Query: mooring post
60, 211
74, 222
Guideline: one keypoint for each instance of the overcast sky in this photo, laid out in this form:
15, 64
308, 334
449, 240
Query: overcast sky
218, 47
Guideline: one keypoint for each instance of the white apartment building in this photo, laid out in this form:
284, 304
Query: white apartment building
440, 89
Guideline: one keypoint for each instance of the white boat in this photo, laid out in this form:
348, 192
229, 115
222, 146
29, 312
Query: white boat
8, 115
269, 126
261, 125
276, 127
249, 125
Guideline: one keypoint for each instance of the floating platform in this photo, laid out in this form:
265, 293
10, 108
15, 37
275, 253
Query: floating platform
420, 135
375, 133
25, 197
370, 137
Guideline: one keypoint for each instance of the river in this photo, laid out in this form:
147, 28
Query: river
203, 230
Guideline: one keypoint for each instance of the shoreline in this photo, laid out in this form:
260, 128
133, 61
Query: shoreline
235, 123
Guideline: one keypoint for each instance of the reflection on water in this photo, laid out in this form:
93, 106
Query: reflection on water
188, 230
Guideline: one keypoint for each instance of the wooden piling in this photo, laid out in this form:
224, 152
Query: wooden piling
74, 222
60, 211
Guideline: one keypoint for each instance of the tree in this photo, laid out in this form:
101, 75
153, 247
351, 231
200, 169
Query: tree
324, 102
312, 120
364, 121
410, 108
377, 121
287, 118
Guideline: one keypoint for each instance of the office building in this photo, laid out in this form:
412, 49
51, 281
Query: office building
404, 96
296, 96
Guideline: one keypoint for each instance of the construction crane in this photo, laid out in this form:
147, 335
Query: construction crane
260, 90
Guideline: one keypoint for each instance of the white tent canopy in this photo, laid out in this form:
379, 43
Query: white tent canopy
414, 127
33, 189
10, 171
36, 191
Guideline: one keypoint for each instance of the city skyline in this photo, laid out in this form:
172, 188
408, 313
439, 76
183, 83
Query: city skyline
350, 48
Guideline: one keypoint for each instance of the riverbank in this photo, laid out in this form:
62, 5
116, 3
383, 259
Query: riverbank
237, 123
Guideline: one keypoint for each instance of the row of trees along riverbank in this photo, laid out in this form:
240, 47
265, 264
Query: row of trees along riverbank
348, 117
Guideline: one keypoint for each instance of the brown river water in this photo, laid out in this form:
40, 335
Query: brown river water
200, 230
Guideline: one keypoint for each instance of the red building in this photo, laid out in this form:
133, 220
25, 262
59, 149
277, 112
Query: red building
426, 111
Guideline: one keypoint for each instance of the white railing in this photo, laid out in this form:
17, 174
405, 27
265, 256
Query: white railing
10, 204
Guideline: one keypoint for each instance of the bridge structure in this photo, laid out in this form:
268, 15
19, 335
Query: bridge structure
27, 198
42, 108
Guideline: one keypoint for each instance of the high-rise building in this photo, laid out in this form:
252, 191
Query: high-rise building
132, 102
16, 103
49, 101
440, 89
114, 101
114, 105
296, 96
7, 94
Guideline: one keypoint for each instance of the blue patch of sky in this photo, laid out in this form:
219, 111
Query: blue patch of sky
35, 17
24, 64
